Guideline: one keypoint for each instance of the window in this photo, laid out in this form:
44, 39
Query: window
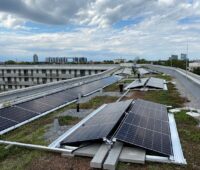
44, 81
63, 71
43, 71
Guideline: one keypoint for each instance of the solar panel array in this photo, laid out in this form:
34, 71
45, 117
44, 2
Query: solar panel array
143, 71
125, 71
151, 82
19, 113
100, 125
137, 83
155, 83
147, 126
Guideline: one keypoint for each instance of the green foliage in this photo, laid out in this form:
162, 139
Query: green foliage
173, 63
108, 62
67, 120
142, 61
165, 77
98, 101
197, 70
188, 127
182, 117
112, 88
170, 97
10, 62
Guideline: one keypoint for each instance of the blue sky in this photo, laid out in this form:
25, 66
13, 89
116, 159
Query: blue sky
99, 29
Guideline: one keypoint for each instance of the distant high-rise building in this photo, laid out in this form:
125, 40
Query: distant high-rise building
63, 60
174, 57
56, 60
79, 59
119, 60
82, 60
35, 58
183, 56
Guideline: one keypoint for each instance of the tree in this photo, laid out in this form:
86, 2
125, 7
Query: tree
10, 62
196, 70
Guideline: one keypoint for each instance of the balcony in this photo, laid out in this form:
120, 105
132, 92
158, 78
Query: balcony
2, 82
11, 75
24, 75
53, 75
40, 75
67, 76
11, 83
26, 83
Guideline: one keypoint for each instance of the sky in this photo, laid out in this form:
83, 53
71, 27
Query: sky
99, 29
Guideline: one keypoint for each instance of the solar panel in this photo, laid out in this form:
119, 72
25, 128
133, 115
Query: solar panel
155, 83
26, 110
95, 85
147, 126
100, 125
137, 84
143, 71
52, 100
5, 123
127, 71
36, 106
16, 114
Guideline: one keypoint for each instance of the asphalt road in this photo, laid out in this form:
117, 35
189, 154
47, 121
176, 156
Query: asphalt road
190, 88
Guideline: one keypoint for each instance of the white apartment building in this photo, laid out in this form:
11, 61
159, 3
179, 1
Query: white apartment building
21, 76
194, 65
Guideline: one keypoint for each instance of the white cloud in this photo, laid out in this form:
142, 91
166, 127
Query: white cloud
166, 2
157, 34
10, 21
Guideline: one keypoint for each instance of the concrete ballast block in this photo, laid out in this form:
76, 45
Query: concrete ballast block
88, 151
133, 155
113, 156
100, 156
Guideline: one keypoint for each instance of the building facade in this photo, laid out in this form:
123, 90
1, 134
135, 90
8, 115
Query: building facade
174, 57
194, 65
64, 60
183, 56
35, 58
120, 60
21, 76
57, 60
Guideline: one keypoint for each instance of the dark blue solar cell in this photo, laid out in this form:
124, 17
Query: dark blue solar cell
35, 106
100, 125
149, 124
16, 114
5, 123
24, 111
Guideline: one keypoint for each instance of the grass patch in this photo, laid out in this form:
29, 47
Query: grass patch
171, 97
68, 120
182, 117
188, 127
17, 158
112, 88
127, 81
98, 101
162, 76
